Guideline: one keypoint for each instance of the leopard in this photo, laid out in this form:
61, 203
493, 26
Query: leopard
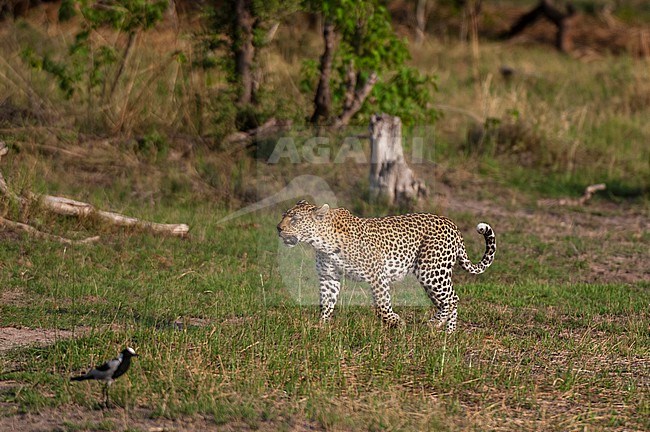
382, 250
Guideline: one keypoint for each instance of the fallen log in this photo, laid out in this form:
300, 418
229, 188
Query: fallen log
243, 139
69, 207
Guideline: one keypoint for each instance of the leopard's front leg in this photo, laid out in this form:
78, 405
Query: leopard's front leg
381, 296
329, 284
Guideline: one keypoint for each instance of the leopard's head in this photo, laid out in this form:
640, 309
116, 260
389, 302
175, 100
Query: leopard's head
302, 223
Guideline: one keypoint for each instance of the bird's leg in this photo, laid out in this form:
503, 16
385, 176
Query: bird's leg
106, 398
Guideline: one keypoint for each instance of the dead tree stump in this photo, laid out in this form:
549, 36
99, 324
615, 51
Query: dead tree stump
390, 176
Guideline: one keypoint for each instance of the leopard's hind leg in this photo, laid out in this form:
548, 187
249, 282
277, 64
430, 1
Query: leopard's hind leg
444, 298
433, 270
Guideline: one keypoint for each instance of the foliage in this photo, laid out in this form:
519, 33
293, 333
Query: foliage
367, 37
152, 145
88, 64
367, 44
217, 45
123, 15
588, 124
67, 76
407, 94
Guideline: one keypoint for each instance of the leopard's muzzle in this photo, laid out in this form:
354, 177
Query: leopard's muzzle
288, 239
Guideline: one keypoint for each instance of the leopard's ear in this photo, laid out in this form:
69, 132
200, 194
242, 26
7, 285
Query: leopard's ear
321, 212
301, 202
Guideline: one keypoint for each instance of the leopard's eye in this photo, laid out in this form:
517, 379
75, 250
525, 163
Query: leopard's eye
296, 218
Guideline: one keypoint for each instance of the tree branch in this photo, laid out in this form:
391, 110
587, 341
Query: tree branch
350, 86
563, 22
244, 50
125, 57
360, 96
269, 128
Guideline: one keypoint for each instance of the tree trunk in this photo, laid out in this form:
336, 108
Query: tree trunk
420, 21
390, 176
565, 26
244, 49
125, 57
323, 100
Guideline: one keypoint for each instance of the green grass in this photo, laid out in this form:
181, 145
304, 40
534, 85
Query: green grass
246, 352
564, 124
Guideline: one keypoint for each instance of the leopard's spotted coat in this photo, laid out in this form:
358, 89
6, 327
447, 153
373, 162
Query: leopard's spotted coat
382, 250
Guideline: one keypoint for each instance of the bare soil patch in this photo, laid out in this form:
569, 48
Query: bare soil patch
12, 337
14, 297
120, 419
16, 337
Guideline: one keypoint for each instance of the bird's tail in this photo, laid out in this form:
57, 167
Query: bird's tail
80, 378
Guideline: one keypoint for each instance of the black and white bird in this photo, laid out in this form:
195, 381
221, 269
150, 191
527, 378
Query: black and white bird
109, 371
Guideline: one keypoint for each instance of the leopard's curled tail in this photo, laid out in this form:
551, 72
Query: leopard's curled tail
488, 256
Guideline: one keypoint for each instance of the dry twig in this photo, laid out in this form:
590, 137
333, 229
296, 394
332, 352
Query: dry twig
589, 191
18, 226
